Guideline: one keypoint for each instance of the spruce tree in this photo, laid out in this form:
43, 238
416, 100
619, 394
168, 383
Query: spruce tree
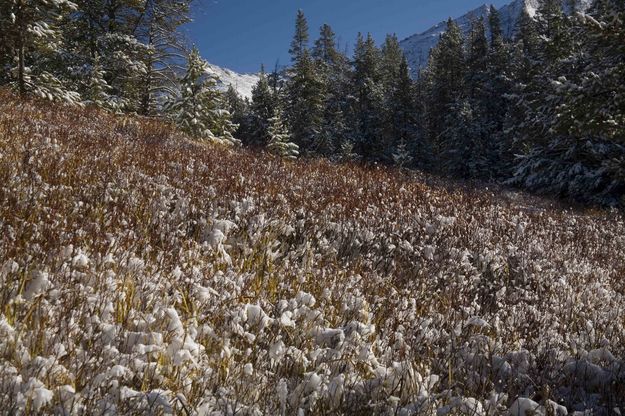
474, 115
368, 99
305, 94
299, 44
103, 30
32, 37
239, 108
279, 138
139, 44
306, 98
158, 28
262, 108
581, 150
97, 91
333, 68
402, 121
325, 50
444, 82
198, 110
496, 104
390, 65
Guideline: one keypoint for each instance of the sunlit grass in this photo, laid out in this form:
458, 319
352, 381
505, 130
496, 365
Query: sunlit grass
140, 271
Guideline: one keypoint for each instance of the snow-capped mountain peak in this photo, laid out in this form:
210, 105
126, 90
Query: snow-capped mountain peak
242, 83
417, 47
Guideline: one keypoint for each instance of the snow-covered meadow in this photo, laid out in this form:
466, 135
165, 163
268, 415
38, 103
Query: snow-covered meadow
141, 273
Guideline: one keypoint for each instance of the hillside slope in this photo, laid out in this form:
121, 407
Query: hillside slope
144, 273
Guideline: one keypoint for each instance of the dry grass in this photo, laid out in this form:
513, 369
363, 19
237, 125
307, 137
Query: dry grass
133, 263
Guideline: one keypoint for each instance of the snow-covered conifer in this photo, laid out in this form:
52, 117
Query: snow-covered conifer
279, 138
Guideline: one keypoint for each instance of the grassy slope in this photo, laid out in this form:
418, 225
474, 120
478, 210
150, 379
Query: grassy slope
124, 244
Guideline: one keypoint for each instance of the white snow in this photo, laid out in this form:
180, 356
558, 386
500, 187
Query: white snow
417, 47
242, 83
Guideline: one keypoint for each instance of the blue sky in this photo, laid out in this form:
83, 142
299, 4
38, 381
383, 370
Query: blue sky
242, 34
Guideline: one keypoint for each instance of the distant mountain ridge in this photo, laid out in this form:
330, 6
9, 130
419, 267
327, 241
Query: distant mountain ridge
242, 83
417, 47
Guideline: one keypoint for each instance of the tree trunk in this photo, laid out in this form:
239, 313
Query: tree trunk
21, 66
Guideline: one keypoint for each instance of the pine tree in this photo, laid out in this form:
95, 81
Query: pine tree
223, 126
333, 68
401, 156
305, 94
368, 99
32, 38
401, 108
444, 86
279, 143
392, 56
97, 90
198, 111
239, 109
347, 152
477, 59
554, 29
306, 99
582, 114
473, 114
139, 44
325, 50
300, 40
494, 23
262, 108
158, 28
496, 103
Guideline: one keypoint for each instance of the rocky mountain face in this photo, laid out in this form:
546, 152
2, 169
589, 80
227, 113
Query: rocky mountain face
417, 47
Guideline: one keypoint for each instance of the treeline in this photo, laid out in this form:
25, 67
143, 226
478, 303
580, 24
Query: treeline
544, 110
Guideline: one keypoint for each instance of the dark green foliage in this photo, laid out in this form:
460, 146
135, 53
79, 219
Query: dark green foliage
262, 108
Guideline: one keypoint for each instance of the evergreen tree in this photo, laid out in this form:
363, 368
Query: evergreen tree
305, 94
444, 85
392, 56
477, 60
347, 153
223, 126
85, 32
158, 29
279, 136
197, 111
262, 108
31, 36
325, 50
333, 68
97, 90
139, 45
496, 103
239, 108
299, 44
402, 121
494, 22
475, 113
401, 156
368, 99
306, 97
554, 29
573, 131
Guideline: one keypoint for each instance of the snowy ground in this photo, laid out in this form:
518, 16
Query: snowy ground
142, 273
